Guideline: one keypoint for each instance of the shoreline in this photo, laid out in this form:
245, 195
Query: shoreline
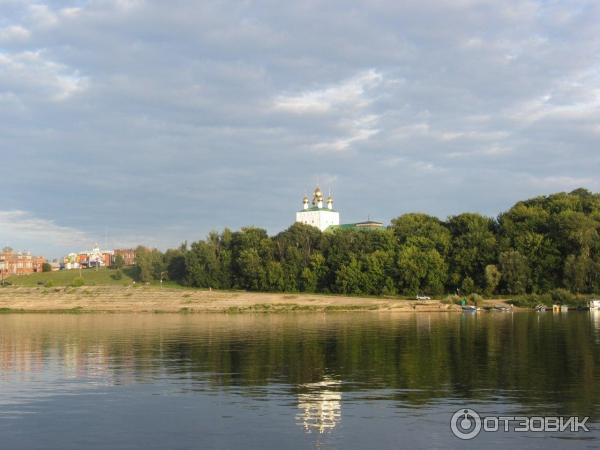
151, 299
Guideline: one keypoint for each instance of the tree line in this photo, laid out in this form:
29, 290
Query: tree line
537, 246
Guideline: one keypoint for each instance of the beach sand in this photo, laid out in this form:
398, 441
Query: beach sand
172, 300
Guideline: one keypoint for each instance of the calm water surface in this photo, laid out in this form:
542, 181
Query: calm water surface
292, 381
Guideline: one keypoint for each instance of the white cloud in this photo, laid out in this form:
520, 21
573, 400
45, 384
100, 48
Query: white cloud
162, 100
14, 33
347, 106
32, 75
42, 15
555, 183
24, 226
352, 93
355, 130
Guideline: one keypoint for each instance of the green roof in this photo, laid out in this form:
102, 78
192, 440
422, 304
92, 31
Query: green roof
361, 226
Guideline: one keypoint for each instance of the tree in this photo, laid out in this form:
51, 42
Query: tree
150, 264
421, 269
422, 226
515, 272
472, 248
118, 262
275, 276
46, 267
468, 285
492, 279
308, 280
349, 278
539, 245
580, 274
175, 262
252, 274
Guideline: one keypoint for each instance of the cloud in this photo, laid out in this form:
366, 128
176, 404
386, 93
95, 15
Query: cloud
42, 15
160, 121
351, 93
31, 74
14, 33
346, 105
25, 227
561, 183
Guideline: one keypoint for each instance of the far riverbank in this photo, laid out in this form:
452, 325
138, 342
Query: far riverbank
142, 299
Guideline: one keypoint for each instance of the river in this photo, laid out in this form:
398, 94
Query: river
291, 381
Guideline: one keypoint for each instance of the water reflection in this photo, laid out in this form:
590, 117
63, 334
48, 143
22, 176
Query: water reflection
320, 406
312, 368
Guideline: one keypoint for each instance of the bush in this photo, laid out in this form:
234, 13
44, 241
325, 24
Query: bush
48, 284
452, 299
468, 285
531, 300
475, 299
118, 275
78, 282
562, 296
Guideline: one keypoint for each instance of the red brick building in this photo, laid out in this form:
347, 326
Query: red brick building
128, 255
19, 263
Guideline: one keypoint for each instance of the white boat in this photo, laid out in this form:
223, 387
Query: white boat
594, 304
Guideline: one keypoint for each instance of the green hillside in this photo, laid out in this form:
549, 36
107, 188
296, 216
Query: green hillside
91, 277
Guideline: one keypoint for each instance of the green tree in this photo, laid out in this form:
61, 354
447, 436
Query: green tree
422, 226
421, 269
118, 262
150, 264
473, 247
349, 278
308, 280
492, 279
46, 267
468, 286
515, 272
581, 274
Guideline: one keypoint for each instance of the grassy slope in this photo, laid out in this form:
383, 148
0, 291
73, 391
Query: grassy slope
65, 277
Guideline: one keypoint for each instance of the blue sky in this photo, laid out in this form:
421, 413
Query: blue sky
155, 122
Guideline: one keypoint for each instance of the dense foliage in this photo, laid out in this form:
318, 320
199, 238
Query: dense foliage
538, 246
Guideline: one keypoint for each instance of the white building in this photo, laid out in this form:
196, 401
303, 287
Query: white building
317, 215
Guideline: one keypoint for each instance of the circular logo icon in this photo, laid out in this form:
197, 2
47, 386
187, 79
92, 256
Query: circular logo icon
465, 424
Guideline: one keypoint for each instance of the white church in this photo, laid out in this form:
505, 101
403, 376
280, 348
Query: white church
325, 217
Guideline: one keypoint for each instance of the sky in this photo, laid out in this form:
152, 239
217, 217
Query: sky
126, 122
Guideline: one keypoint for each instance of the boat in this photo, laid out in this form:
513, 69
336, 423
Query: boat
469, 308
501, 308
564, 308
541, 308
594, 304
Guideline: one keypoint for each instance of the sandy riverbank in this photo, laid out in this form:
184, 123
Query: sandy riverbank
154, 299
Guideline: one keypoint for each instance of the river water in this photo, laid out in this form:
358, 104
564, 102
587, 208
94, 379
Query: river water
293, 381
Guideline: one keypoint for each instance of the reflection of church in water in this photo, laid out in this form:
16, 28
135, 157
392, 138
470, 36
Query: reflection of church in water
320, 406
